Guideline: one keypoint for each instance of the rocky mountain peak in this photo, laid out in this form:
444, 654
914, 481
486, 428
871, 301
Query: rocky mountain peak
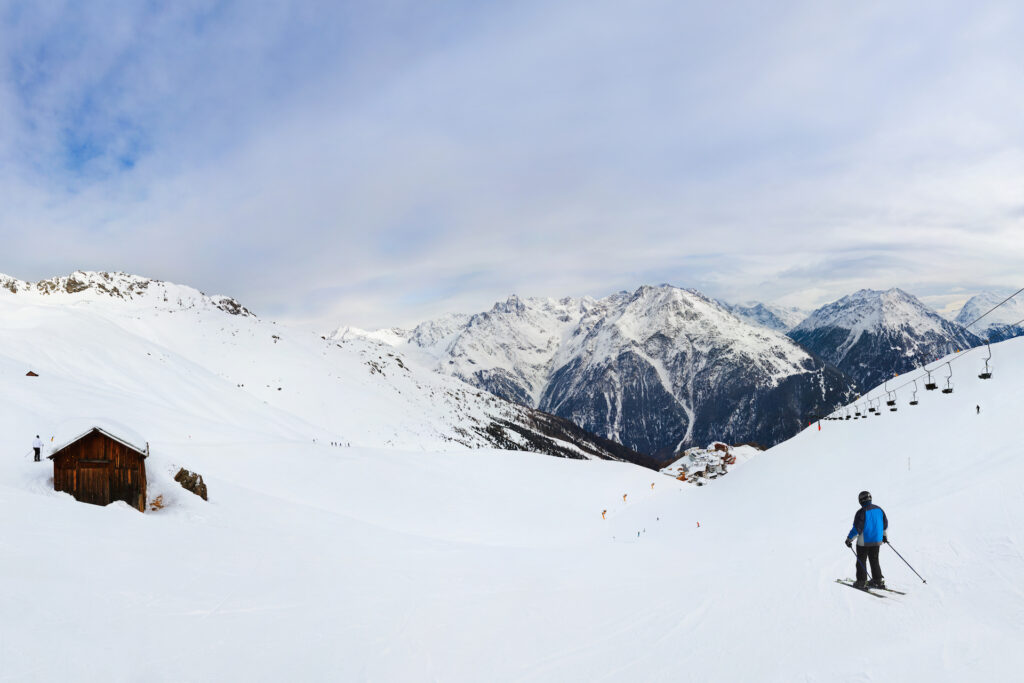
1003, 323
645, 368
118, 286
872, 334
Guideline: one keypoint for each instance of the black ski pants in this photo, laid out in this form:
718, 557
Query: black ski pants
866, 553
37, 453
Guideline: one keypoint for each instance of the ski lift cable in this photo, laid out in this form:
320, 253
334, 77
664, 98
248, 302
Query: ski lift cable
958, 354
924, 370
995, 307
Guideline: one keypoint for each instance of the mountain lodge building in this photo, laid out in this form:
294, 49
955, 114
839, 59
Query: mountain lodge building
99, 468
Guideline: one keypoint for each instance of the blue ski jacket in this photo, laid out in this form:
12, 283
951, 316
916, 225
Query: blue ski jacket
869, 525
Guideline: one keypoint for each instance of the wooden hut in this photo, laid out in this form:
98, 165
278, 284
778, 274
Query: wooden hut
99, 468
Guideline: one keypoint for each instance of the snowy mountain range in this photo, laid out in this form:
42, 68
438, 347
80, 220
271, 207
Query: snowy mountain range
129, 332
1005, 322
872, 335
401, 555
658, 369
778, 318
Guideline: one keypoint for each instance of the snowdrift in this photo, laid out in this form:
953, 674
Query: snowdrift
420, 562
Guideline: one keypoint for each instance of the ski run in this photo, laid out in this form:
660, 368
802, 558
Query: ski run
349, 537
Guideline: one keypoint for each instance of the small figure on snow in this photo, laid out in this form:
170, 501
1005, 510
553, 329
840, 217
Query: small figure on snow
978, 409
37, 446
652, 485
624, 497
603, 513
871, 529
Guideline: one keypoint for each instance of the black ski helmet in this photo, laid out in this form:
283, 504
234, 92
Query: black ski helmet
864, 497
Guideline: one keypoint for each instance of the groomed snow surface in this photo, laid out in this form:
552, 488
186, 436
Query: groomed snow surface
313, 562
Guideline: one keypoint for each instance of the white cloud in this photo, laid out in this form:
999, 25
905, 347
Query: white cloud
378, 168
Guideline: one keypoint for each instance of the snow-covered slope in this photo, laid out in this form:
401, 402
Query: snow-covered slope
778, 318
872, 335
317, 563
132, 290
173, 348
1005, 322
658, 369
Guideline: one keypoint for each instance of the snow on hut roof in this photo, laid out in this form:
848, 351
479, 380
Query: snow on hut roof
83, 427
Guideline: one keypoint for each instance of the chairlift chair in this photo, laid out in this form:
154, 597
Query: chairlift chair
913, 399
930, 385
949, 387
987, 374
892, 398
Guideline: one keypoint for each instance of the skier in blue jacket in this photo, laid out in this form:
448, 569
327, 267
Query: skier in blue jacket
870, 528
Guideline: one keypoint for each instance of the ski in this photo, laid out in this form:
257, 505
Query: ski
862, 590
887, 589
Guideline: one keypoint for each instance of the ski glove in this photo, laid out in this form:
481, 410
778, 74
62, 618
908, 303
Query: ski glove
849, 543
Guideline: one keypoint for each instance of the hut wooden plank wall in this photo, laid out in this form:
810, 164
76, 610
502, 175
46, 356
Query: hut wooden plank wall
99, 468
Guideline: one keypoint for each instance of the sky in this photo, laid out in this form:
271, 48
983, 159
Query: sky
378, 164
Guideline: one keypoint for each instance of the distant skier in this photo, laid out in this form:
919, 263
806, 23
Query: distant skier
870, 528
978, 409
37, 446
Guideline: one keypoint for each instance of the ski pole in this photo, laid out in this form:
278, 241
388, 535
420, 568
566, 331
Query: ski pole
905, 562
861, 563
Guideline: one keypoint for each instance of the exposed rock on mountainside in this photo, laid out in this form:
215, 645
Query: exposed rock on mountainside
87, 285
658, 369
871, 335
131, 334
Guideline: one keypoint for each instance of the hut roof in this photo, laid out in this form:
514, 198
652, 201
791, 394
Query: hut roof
57, 449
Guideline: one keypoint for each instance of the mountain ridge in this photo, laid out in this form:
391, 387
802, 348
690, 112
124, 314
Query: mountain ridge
873, 334
1005, 322
356, 390
659, 368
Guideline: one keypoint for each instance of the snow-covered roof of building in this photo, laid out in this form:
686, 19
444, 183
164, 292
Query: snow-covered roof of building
128, 438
